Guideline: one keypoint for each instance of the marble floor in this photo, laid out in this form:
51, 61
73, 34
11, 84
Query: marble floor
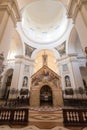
43, 118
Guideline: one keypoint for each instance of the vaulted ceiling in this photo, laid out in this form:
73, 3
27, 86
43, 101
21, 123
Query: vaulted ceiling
44, 22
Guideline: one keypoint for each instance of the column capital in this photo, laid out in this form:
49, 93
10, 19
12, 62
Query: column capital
12, 8
74, 7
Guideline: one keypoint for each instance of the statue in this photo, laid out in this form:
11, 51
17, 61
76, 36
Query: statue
67, 81
44, 56
25, 81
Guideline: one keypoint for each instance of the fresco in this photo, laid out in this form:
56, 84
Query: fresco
45, 75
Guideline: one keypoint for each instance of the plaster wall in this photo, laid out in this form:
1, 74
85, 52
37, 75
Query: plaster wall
81, 27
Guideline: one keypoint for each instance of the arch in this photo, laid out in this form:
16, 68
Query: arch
74, 44
35, 95
46, 97
16, 47
19, 43
55, 52
51, 57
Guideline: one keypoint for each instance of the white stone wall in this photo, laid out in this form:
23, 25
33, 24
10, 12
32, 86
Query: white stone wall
73, 71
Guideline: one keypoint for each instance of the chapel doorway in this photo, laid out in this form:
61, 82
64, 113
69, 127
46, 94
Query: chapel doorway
7, 83
46, 98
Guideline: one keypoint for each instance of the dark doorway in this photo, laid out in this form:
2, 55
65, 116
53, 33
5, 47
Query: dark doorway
8, 84
8, 80
46, 96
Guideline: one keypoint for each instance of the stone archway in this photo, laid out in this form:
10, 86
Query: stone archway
46, 96
56, 95
43, 81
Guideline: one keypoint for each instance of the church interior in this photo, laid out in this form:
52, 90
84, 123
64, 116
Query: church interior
43, 64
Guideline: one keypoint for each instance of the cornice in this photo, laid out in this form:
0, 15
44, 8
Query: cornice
24, 58
68, 58
74, 7
12, 8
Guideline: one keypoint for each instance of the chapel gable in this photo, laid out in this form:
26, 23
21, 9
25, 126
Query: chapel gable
45, 75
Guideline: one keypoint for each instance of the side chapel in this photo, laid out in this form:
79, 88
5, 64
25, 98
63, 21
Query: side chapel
45, 88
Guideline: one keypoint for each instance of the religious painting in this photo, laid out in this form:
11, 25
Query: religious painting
45, 74
28, 50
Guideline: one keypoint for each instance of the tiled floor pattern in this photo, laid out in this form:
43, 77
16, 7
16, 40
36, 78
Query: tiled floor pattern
48, 118
30, 128
6, 127
45, 116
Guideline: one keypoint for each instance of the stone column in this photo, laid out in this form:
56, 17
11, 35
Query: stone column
9, 15
22, 68
17, 75
71, 69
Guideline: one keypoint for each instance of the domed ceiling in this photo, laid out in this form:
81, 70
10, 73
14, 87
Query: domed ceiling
44, 22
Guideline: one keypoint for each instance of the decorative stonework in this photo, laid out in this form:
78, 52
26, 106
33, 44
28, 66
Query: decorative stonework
75, 7
29, 50
12, 8
49, 78
61, 49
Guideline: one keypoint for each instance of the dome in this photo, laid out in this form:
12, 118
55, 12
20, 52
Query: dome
44, 21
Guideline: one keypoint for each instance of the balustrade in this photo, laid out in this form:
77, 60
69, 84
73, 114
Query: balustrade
75, 116
14, 115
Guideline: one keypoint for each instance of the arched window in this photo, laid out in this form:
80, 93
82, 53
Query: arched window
67, 81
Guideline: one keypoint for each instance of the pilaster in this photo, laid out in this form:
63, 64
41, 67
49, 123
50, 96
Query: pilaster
9, 15
69, 66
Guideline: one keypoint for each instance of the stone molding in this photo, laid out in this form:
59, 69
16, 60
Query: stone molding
74, 7
11, 7
67, 58
24, 58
